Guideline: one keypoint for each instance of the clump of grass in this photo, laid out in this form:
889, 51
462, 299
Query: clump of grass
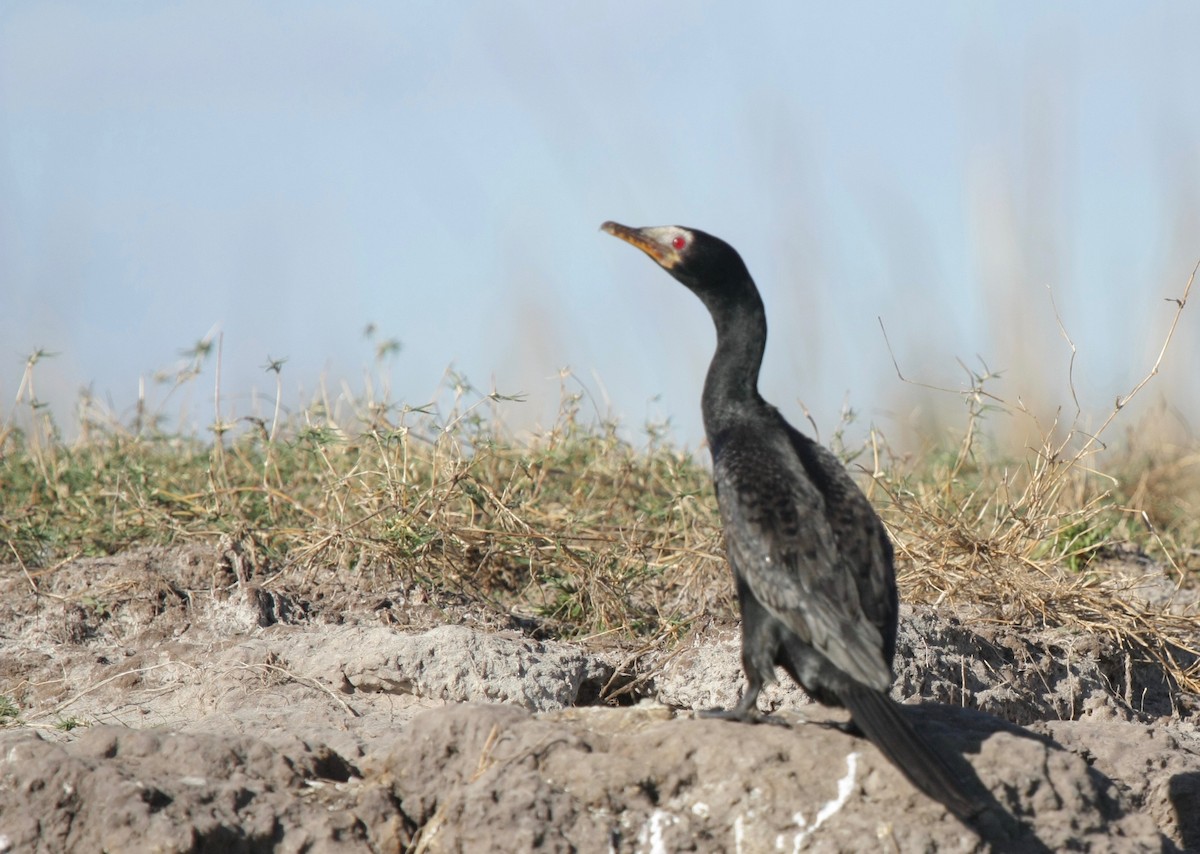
10, 712
67, 724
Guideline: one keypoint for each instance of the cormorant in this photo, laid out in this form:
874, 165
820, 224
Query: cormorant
811, 560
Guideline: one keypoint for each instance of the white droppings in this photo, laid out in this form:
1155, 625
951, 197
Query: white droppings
845, 789
651, 833
700, 808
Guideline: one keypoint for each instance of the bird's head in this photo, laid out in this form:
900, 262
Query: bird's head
706, 264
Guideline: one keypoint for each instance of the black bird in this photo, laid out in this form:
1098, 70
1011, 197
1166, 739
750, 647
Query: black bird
810, 557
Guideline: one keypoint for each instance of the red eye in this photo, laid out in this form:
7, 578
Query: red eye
679, 242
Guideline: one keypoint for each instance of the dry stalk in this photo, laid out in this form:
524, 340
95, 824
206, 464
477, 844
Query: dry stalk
1007, 541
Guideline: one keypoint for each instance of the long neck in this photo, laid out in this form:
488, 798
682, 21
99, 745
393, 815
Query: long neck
731, 387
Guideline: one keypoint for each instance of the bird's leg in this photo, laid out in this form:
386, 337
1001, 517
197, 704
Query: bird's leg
747, 707
762, 635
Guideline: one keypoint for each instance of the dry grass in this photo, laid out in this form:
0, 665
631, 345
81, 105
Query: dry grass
575, 528
1019, 536
582, 533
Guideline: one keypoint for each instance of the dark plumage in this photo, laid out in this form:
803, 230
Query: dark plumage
810, 557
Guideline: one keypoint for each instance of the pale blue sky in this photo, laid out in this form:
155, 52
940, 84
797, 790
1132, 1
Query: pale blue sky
290, 172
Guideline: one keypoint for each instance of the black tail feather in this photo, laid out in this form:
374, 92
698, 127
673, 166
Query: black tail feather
883, 721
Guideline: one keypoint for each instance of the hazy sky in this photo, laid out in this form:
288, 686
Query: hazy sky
289, 172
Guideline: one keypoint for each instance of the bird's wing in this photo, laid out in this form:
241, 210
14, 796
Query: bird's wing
863, 547
781, 543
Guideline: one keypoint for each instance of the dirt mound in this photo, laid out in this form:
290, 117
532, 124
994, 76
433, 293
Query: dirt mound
170, 700
117, 789
644, 780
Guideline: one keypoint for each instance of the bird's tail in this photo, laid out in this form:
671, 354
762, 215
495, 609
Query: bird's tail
882, 720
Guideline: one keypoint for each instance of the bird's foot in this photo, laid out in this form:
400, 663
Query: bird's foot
746, 716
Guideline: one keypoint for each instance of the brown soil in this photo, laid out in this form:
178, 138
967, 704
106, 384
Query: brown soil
175, 700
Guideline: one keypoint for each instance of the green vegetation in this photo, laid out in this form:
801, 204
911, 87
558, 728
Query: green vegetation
10, 712
583, 532
68, 724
